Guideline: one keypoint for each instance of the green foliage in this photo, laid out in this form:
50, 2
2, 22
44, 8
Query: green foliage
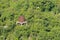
43, 17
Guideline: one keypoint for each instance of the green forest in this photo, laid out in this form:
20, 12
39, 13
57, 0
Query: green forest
42, 16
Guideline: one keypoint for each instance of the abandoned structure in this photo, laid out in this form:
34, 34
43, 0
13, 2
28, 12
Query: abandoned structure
21, 20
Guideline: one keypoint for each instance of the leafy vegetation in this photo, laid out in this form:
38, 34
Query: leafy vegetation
43, 17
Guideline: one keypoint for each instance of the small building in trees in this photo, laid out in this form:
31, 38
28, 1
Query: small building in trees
21, 20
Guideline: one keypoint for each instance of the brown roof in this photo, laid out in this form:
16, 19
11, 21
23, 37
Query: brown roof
21, 19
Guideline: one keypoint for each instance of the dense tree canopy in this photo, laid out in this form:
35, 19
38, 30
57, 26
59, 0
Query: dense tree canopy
43, 17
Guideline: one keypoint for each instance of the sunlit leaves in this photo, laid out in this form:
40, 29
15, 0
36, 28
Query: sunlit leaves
42, 16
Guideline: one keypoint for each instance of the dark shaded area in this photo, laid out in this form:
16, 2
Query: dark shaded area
46, 22
3, 19
47, 30
47, 6
12, 16
0, 14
